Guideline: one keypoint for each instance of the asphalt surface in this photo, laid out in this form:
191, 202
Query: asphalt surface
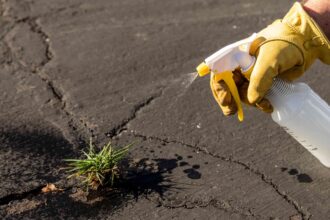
121, 71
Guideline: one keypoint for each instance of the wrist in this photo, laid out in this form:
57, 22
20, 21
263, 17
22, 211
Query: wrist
319, 10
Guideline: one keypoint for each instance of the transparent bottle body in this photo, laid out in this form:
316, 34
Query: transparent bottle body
304, 115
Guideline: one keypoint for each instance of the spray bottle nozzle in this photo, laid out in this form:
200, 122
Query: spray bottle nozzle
203, 69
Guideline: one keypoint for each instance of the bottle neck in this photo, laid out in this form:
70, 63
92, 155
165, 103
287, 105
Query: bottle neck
280, 88
286, 98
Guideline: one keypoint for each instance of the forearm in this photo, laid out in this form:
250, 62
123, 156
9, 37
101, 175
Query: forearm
319, 10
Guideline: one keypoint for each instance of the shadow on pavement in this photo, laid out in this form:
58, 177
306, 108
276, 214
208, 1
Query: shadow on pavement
28, 156
140, 180
147, 176
36, 143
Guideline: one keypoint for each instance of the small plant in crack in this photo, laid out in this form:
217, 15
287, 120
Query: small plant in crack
98, 168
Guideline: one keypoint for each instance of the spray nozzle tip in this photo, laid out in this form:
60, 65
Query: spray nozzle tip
203, 69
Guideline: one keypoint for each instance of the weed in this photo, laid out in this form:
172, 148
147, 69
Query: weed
98, 168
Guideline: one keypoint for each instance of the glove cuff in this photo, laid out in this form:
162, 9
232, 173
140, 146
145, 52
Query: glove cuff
314, 38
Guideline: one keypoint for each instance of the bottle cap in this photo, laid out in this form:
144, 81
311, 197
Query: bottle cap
203, 69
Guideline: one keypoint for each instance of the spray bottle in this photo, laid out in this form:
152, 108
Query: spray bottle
297, 108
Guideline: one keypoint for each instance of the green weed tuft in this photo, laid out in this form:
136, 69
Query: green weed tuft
98, 168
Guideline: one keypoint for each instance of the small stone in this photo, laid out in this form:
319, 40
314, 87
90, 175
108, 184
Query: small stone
296, 217
50, 188
148, 162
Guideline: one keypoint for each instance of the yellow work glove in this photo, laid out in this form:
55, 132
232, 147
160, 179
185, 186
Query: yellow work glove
286, 48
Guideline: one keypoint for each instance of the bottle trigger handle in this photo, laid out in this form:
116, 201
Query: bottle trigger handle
227, 77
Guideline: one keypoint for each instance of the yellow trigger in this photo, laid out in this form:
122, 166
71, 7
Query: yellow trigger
227, 77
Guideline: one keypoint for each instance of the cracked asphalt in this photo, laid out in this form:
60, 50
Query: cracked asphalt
121, 71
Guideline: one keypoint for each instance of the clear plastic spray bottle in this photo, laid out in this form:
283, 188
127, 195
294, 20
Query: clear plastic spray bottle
304, 115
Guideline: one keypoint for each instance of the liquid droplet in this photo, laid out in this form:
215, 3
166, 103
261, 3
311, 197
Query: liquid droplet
189, 79
185, 83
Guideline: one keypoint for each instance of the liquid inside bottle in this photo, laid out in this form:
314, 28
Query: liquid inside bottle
304, 115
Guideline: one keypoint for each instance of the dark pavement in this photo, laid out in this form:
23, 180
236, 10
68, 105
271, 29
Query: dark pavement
120, 71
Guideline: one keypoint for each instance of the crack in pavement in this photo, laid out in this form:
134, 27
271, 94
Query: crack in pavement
19, 196
36, 28
72, 119
116, 131
6, 200
215, 203
304, 213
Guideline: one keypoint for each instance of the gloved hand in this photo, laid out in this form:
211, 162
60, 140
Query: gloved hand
286, 48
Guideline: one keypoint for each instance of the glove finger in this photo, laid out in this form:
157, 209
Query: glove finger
238, 77
273, 57
229, 110
224, 94
227, 102
243, 93
223, 97
265, 106
261, 78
